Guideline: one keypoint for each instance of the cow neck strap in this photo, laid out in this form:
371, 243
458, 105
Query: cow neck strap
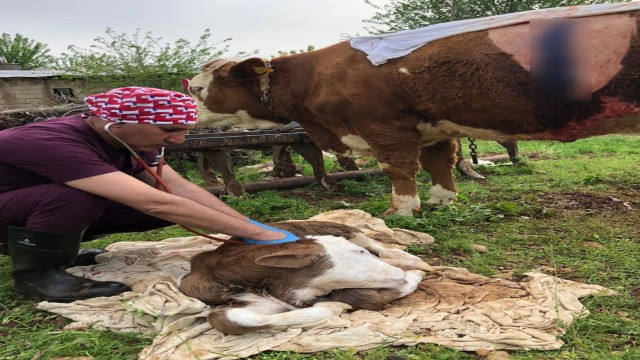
265, 97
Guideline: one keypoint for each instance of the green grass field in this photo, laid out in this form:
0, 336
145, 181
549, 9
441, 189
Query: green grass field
571, 210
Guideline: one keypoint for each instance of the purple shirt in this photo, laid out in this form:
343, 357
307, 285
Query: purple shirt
56, 151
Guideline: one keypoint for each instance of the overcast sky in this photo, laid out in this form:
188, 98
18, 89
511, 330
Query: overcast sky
262, 25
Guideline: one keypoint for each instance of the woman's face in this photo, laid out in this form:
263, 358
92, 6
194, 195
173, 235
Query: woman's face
147, 137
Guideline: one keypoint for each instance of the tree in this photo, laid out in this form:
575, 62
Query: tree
410, 14
120, 59
24, 51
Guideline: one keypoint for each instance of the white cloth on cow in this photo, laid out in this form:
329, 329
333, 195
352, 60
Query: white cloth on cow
453, 308
380, 48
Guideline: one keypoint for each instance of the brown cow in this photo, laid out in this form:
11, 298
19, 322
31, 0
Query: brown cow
278, 283
404, 113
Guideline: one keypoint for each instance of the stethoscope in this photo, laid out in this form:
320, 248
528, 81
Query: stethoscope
157, 175
160, 183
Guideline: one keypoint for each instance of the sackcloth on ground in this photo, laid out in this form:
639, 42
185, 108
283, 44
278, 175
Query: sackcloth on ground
380, 48
455, 308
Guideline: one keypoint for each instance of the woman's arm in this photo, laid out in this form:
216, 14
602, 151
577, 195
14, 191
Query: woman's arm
127, 190
186, 189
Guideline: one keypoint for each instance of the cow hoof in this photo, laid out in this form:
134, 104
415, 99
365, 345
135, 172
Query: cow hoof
394, 211
441, 196
465, 167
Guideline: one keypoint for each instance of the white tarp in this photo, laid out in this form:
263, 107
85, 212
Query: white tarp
454, 308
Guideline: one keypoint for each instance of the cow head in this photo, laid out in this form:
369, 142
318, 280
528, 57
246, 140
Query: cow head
228, 94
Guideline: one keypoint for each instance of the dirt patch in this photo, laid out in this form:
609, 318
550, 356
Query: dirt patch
591, 203
320, 194
619, 211
537, 155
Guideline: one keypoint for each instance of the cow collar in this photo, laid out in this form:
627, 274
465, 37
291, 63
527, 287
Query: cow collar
265, 97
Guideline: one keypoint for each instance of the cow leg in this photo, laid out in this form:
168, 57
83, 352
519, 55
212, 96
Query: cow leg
346, 162
438, 160
401, 167
313, 155
283, 165
376, 299
261, 312
221, 161
512, 149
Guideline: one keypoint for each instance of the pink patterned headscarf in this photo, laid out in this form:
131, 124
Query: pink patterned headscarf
143, 105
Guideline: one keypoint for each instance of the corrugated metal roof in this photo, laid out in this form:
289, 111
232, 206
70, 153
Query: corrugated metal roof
29, 73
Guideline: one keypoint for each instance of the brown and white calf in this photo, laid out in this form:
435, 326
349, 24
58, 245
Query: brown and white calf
301, 282
405, 111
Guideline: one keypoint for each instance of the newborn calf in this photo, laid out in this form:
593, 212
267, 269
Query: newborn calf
274, 285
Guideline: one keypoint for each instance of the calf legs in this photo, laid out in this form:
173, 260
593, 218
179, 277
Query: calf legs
395, 257
260, 312
377, 299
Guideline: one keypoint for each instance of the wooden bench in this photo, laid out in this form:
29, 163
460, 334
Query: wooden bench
213, 150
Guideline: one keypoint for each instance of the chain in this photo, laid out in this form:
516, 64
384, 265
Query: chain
272, 107
473, 147
266, 98
264, 87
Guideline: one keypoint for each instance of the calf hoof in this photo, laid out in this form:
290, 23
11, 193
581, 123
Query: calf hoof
409, 264
413, 279
336, 307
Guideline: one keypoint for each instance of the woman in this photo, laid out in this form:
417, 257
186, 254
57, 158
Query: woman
72, 179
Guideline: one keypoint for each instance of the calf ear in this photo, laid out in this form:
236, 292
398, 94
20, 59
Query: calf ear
291, 258
250, 69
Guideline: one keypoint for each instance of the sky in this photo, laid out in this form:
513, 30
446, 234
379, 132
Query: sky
267, 26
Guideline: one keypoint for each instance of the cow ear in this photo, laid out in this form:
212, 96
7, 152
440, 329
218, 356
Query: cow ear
185, 84
293, 258
250, 69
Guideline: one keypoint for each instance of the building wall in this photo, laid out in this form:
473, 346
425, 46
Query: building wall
26, 93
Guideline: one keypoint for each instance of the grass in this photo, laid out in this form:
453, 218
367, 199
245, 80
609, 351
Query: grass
571, 210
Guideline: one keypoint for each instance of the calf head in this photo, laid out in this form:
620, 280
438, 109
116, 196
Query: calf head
297, 273
216, 276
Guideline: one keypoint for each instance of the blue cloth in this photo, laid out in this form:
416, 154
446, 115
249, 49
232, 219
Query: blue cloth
288, 238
